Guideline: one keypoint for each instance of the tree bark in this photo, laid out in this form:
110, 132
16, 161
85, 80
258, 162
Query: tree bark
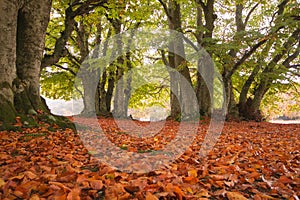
252, 108
181, 105
23, 26
204, 89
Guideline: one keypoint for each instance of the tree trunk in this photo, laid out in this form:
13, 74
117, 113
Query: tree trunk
205, 77
22, 44
181, 105
252, 108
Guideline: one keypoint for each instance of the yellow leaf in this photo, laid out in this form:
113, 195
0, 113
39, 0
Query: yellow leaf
189, 190
203, 193
2, 182
193, 173
235, 196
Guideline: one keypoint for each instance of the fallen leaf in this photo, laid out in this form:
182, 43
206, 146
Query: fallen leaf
193, 173
150, 196
34, 197
96, 184
74, 194
2, 182
235, 196
30, 175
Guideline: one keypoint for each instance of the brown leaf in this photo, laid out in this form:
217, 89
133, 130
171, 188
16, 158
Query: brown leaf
235, 196
30, 175
96, 184
132, 189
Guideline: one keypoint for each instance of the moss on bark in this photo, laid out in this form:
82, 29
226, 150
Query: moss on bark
7, 111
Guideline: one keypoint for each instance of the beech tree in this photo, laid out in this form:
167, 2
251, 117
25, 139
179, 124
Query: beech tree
254, 44
23, 28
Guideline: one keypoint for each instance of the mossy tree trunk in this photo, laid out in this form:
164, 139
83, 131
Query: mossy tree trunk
23, 27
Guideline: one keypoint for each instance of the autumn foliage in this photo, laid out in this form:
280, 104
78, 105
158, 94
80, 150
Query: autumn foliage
250, 161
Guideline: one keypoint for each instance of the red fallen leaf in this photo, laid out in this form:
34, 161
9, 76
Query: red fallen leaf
27, 187
150, 196
235, 196
67, 177
216, 177
283, 179
254, 175
74, 194
19, 194
58, 196
60, 185
132, 189
96, 184
190, 180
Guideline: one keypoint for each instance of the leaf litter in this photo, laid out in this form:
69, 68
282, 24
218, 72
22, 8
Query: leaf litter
250, 161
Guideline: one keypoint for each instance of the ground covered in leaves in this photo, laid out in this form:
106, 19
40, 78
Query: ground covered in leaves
250, 161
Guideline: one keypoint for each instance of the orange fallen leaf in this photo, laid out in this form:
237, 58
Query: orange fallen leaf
150, 196
235, 196
2, 182
192, 173
284, 179
60, 185
30, 175
74, 194
203, 193
190, 179
96, 184
34, 197
173, 188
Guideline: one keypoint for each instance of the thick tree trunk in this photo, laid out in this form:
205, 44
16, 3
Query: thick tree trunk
251, 110
23, 26
230, 106
205, 77
181, 105
119, 111
89, 83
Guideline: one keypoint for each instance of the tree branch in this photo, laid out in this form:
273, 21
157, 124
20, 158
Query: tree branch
65, 68
249, 14
201, 3
164, 5
292, 57
59, 49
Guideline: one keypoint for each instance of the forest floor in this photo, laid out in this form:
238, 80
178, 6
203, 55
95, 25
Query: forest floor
249, 161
